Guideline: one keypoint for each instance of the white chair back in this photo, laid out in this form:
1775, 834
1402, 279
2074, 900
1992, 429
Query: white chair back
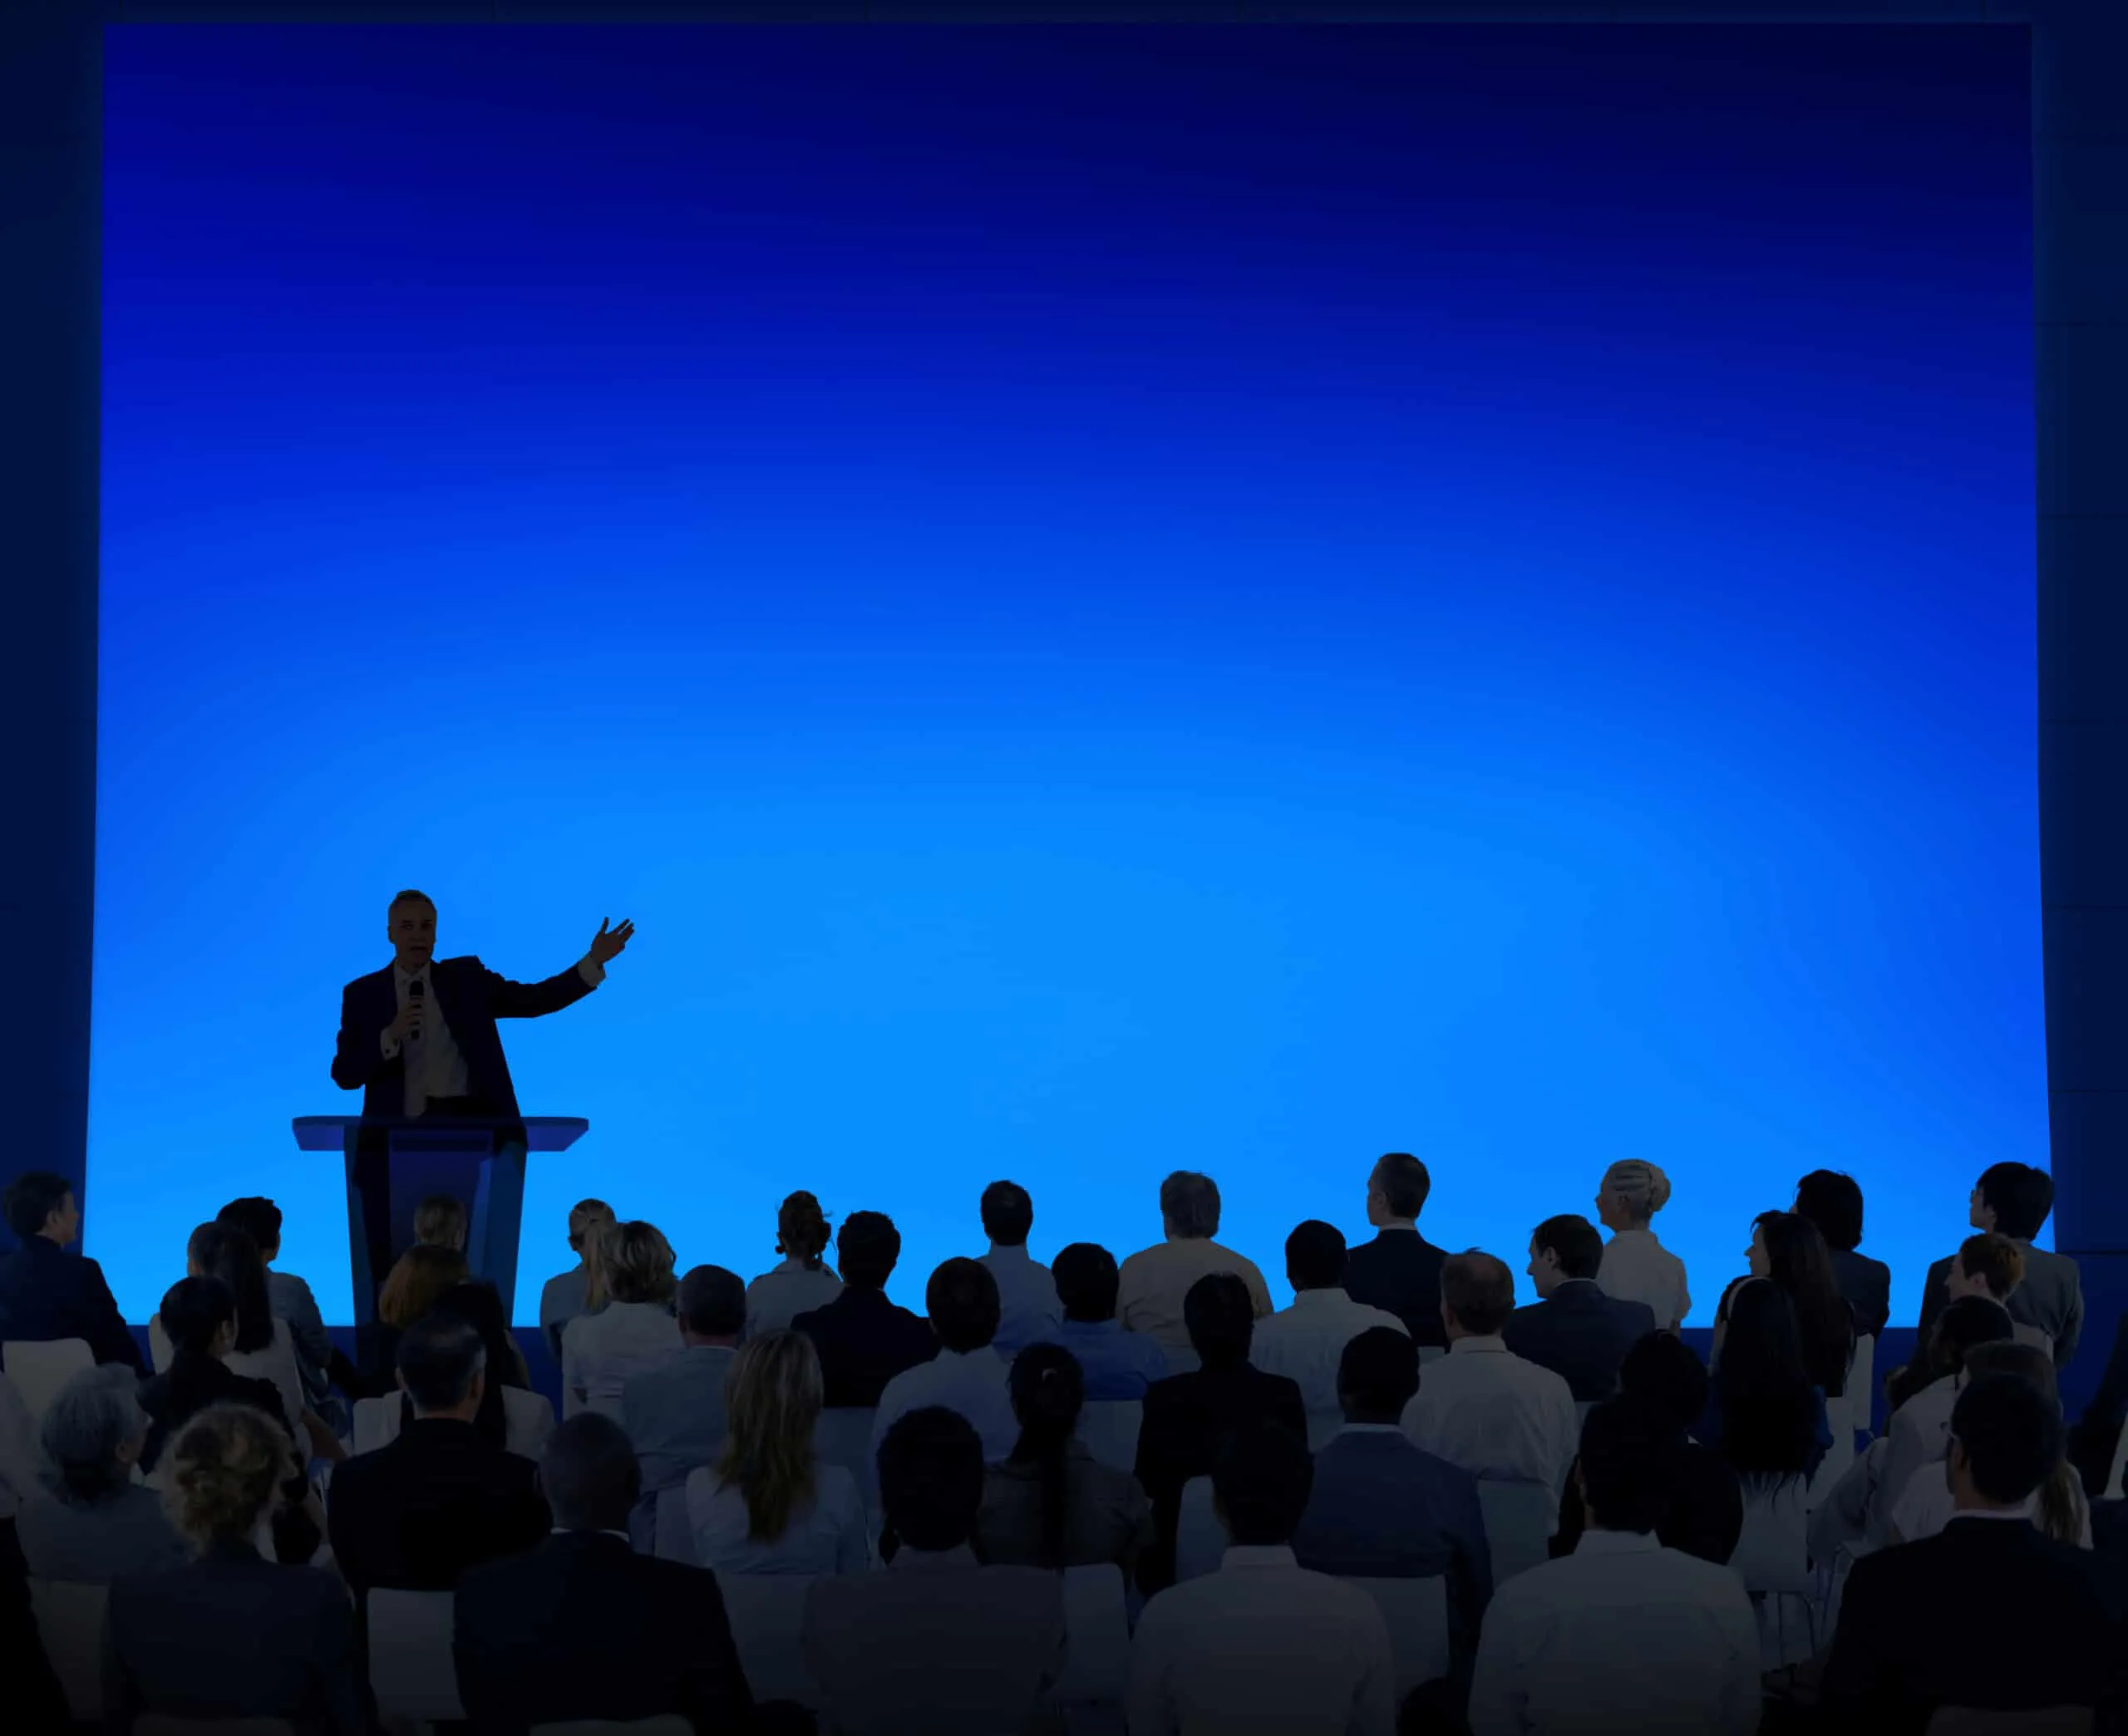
39, 1368
767, 1614
410, 1665
375, 1423
674, 1538
1416, 1611
671, 1723
1108, 1429
528, 1420
1201, 1541
1096, 1637
844, 1436
1862, 1385
1519, 1520
1773, 1559
70, 1619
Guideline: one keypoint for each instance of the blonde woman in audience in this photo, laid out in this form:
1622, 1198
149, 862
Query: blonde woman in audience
770, 1504
1637, 1268
169, 1637
424, 1272
634, 1331
802, 1282
567, 1294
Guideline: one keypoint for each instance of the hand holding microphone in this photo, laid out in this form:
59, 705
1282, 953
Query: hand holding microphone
408, 1025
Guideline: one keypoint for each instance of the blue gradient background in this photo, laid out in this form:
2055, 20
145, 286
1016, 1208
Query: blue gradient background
1107, 599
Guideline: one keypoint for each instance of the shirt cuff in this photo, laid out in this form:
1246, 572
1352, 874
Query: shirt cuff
391, 1047
593, 974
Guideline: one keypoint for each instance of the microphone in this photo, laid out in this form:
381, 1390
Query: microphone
414, 993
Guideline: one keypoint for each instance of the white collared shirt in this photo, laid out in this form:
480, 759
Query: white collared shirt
1495, 1414
971, 1382
1027, 1308
1637, 1268
1264, 1647
435, 1066
1622, 1634
1305, 1342
1919, 1434
787, 1290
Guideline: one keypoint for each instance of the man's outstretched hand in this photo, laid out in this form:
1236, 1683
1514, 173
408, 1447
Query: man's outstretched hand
608, 943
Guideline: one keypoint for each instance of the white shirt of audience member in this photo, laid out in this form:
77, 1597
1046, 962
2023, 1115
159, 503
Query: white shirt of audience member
1637, 1268
601, 1351
1495, 1413
1305, 1342
829, 1533
973, 1382
785, 1291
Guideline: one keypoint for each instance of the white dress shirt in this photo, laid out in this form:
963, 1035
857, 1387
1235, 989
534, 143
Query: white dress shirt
1622, 1634
1495, 1414
785, 1291
1264, 1647
435, 1066
1637, 1268
562, 1298
600, 1351
1153, 1282
971, 1382
1919, 1435
1027, 1308
826, 1534
1304, 1342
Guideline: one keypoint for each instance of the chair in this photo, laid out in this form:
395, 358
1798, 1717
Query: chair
1200, 1540
844, 1436
1772, 1557
1108, 1429
1096, 1637
40, 1367
411, 1670
1416, 1611
1521, 1517
69, 1619
767, 1614
375, 1422
2052, 1721
669, 1724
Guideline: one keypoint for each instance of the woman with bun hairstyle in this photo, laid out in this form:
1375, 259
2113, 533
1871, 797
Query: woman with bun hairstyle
1637, 1268
803, 1281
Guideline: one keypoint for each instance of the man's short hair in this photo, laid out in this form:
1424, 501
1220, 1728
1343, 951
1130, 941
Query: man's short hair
1221, 1316
1995, 1260
1578, 1243
1632, 1454
31, 1197
867, 1247
439, 1355
1315, 1256
2011, 1433
193, 1310
1662, 1371
1379, 1372
1832, 1200
1404, 1182
1189, 1202
1007, 1214
962, 1300
589, 1474
1087, 1282
712, 1302
258, 1217
409, 896
2020, 1196
1479, 1290
931, 1477
1261, 1477
1970, 1321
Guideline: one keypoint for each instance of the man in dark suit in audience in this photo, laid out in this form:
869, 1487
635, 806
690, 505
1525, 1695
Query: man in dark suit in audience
1575, 1330
584, 1628
1988, 1614
864, 1339
2015, 1199
416, 1514
674, 1414
1187, 1416
47, 1293
1399, 1270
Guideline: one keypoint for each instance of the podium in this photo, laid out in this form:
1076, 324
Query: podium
394, 1163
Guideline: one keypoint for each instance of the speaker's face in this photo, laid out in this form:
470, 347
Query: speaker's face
411, 929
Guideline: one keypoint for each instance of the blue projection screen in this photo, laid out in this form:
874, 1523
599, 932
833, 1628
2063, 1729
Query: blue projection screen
1107, 600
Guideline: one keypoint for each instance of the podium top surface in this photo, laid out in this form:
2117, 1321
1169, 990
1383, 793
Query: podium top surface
542, 1132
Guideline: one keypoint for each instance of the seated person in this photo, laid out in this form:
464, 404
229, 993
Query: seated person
1919, 1431
1155, 1281
1305, 1341
265, 1347
1027, 1308
1574, 1329
1051, 1504
1399, 1271
1764, 1419
1116, 1365
1992, 1266
567, 1294
965, 1374
1833, 1200
801, 1281
47, 1293
294, 1305
863, 1340
95, 1523
674, 1415
417, 1279
634, 1331
2016, 1199
1636, 1267
440, 1221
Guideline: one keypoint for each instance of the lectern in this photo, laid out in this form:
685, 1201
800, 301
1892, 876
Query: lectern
393, 1163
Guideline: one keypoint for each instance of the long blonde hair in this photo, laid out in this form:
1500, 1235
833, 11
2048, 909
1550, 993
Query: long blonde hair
772, 1400
628, 1262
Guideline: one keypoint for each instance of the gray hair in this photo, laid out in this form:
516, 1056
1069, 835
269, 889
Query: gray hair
94, 1415
1191, 1203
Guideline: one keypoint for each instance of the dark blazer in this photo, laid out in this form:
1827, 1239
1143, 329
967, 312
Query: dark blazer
1186, 1419
1988, 1614
1399, 1271
864, 1341
583, 1628
47, 1293
1865, 1286
1581, 1334
472, 997
231, 1635
2051, 1297
1706, 1515
416, 1514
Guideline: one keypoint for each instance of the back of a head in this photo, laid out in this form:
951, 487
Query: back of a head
221, 1472
712, 1302
1832, 1200
1221, 1316
772, 1392
1769, 1410
2028, 1363
1315, 1256
931, 1477
585, 1217
417, 1278
1993, 1259
1638, 1187
1262, 1476
1049, 1389
1660, 1370
1404, 1184
637, 1262
1479, 1290
439, 1221
1190, 1205
89, 1418
1377, 1374
868, 1247
258, 1217
962, 1300
1763, 1343
1087, 1281
801, 1228
1631, 1457
2020, 1196
589, 1475
193, 1311
1970, 1321
2011, 1434
1007, 1214
440, 1356
1578, 1243
222, 1250
31, 1197
1800, 1263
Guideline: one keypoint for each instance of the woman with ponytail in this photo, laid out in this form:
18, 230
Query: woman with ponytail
1051, 1504
802, 1280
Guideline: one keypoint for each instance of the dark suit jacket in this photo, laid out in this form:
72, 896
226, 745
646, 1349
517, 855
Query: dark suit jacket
472, 997
1705, 1516
583, 1628
2051, 1297
1988, 1613
1186, 1419
1865, 1286
864, 1341
1399, 1272
1581, 1334
47, 1293
416, 1514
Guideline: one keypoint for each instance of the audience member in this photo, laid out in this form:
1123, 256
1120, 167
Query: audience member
416, 1514
47, 1293
512, 1416
769, 1503
1988, 1614
291, 1301
1635, 1266
864, 1339
439, 1221
1155, 1281
1624, 1634
1399, 1271
674, 1414
1050, 1504
265, 1349
1992, 1266
1574, 1329
1305, 1341
566, 1295
1788, 1251
1919, 1431
582, 1627
800, 1281
1765, 1417
1027, 1307
2015, 1199
1264, 1644
965, 1375
410, 1290
1832, 1200
1187, 1415
937, 1643
1117, 1365
23, 1468
230, 1636
1482, 1408
94, 1522
633, 1333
